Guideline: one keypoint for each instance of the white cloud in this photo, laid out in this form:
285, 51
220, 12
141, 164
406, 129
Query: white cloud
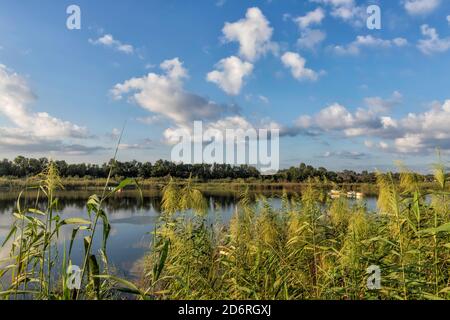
346, 10
311, 38
230, 74
164, 95
421, 7
338, 117
432, 42
230, 123
296, 64
311, 18
414, 133
253, 33
30, 128
380, 105
369, 41
108, 41
448, 19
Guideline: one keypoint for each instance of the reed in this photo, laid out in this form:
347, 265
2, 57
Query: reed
312, 247
34, 237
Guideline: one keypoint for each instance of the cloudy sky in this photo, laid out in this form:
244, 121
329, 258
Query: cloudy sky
343, 96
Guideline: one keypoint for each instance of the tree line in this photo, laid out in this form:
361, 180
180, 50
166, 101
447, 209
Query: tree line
22, 167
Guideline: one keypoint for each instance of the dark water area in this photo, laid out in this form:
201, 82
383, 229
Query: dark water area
132, 219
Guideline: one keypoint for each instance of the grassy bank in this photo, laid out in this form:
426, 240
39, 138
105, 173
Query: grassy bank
236, 185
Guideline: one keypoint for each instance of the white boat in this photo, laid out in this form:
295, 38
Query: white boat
351, 194
334, 194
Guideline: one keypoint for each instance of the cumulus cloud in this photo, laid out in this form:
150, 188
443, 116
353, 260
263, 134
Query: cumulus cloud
230, 74
413, 133
380, 105
355, 47
311, 38
296, 64
421, 7
311, 18
253, 33
163, 94
40, 129
432, 42
108, 41
346, 10
337, 117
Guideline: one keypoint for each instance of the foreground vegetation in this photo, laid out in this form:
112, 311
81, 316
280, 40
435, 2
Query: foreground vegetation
306, 250
310, 248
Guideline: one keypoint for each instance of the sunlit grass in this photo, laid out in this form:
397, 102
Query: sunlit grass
308, 250
311, 247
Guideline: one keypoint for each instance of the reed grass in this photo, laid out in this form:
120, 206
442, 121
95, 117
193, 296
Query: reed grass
34, 237
307, 249
312, 247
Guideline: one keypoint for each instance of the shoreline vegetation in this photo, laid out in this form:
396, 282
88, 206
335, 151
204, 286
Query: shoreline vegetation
313, 247
238, 185
22, 172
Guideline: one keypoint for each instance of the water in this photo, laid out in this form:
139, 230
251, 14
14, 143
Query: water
132, 222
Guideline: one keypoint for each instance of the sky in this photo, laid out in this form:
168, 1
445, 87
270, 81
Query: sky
342, 95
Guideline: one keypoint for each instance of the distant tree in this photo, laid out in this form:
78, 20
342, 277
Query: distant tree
22, 167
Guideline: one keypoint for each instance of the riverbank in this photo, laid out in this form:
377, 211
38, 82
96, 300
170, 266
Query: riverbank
233, 185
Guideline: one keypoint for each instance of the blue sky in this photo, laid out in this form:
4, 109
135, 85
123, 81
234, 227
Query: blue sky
343, 96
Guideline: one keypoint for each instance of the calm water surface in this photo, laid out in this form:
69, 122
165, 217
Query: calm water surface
132, 222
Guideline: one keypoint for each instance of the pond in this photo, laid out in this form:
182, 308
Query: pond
132, 222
